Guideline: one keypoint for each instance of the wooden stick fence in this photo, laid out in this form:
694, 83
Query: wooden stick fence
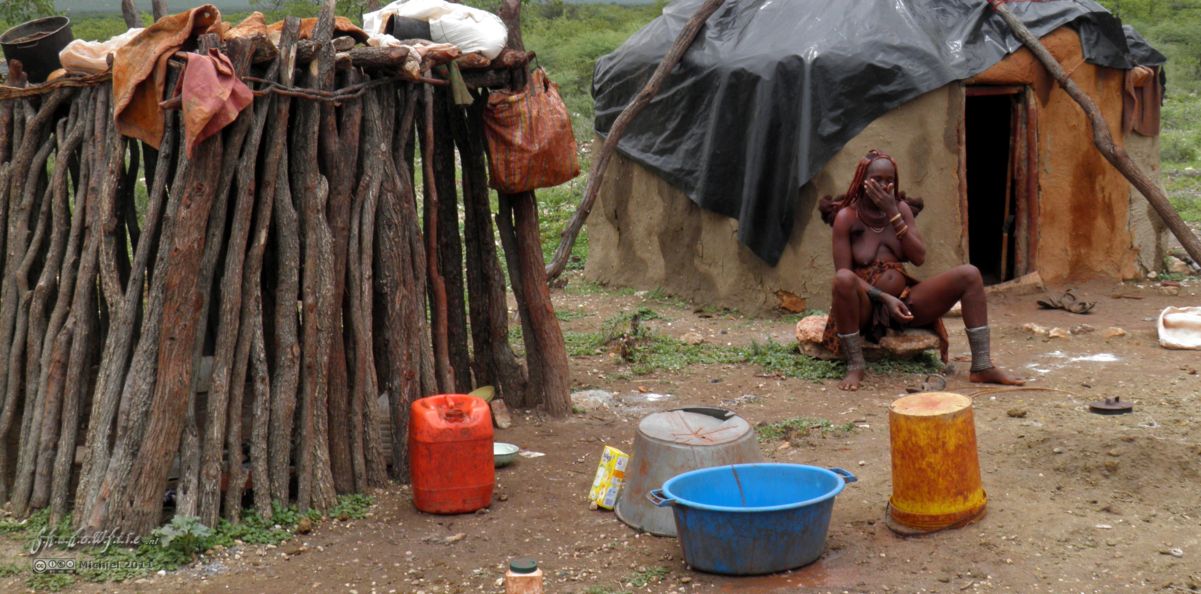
239, 331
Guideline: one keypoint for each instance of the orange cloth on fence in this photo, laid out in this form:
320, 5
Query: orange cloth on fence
341, 25
1141, 101
250, 27
213, 96
140, 71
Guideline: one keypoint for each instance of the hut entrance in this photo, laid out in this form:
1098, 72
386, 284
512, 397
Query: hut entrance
997, 160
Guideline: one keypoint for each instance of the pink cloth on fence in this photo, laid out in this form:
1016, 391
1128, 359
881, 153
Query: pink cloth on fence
140, 70
213, 96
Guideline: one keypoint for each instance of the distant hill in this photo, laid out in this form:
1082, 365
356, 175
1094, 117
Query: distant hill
114, 6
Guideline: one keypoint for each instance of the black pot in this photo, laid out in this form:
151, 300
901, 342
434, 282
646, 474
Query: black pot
36, 44
404, 28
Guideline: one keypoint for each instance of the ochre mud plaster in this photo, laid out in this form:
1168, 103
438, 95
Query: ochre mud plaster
644, 233
1084, 201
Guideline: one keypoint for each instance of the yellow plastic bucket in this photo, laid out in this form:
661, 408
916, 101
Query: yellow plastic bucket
935, 467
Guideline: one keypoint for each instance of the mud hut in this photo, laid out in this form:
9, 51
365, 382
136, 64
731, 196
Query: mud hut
714, 193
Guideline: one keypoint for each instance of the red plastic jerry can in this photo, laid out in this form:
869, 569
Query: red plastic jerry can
450, 454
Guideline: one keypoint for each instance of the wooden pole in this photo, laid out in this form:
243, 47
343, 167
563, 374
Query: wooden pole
286, 381
438, 309
158, 9
546, 354
130, 13
494, 362
641, 100
1102, 139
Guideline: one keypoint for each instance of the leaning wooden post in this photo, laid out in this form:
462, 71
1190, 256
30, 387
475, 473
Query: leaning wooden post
1102, 138
549, 362
641, 100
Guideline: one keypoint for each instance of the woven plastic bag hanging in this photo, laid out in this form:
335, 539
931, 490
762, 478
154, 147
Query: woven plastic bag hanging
530, 141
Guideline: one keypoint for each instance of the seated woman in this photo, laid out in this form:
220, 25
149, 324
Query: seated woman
874, 235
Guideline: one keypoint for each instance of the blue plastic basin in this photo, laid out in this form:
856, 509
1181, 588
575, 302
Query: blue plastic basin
751, 519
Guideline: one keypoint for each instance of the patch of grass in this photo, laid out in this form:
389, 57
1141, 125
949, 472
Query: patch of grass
1184, 191
588, 288
713, 311
10, 526
584, 344
623, 323
50, 582
567, 315
555, 208
800, 427
647, 353
604, 590
252, 529
179, 542
646, 576
661, 296
784, 359
351, 507
926, 363
10, 569
660, 353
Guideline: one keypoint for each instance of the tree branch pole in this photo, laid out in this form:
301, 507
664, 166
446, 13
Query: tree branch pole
641, 100
130, 13
1102, 138
158, 9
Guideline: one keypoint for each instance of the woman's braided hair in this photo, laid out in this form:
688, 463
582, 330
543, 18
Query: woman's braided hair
829, 207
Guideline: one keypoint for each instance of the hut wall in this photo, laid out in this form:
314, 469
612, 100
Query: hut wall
1084, 217
644, 233
1147, 230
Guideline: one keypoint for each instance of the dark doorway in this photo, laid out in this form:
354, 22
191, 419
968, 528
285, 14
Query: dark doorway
995, 162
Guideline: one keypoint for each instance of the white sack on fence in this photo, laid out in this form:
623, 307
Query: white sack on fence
470, 29
1180, 328
91, 57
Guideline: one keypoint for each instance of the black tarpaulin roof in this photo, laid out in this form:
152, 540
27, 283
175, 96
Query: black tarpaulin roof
772, 89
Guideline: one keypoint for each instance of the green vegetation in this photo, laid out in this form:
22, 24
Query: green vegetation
1171, 26
647, 352
604, 590
643, 577
567, 315
568, 39
17, 11
176, 543
351, 507
790, 429
50, 582
646, 576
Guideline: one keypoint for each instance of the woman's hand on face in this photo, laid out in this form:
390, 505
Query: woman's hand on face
897, 309
883, 196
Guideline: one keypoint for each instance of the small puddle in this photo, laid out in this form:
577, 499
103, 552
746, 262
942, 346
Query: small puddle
820, 574
1098, 358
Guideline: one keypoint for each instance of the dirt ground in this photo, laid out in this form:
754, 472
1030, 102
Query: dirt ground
1077, 502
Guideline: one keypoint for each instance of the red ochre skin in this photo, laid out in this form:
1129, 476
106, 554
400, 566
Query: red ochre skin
450, 454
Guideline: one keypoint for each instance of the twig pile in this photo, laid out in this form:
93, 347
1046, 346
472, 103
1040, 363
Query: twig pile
239, 330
